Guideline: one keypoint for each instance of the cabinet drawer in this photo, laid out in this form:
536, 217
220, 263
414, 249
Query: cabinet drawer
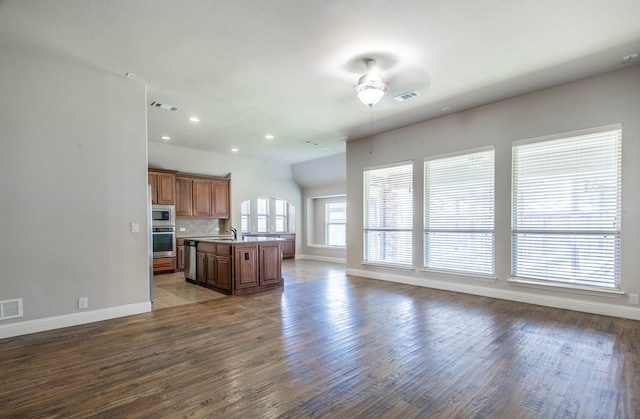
164, 264
207, 247
223, 249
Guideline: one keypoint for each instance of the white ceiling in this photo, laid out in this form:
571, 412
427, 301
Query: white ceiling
289, 68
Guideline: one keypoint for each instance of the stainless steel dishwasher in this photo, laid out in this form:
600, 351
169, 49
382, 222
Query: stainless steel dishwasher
190, 261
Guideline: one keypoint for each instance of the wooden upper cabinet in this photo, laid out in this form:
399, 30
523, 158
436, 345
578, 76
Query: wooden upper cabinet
163, 187
184, 200
166, 184
202, 198
152, 180
220, 199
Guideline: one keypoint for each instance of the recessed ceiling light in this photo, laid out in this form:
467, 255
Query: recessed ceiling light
165, 137
194, 119
269, 137
446, 108
235, 150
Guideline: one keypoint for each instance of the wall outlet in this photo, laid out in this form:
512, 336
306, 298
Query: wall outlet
183, 229
135, 227
83, 302
633, 298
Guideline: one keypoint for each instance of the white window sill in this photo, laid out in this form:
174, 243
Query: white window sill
572, 288
476, 277
326, 246
388, 265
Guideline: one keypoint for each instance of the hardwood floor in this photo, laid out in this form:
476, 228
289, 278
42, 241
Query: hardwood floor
330, 346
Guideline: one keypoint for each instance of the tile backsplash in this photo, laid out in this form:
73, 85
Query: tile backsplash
198, 227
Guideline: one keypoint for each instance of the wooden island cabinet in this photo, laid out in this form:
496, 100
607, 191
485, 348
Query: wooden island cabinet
238, 267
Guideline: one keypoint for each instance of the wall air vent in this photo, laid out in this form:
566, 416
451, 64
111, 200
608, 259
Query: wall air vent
10, 309
407, 96
163, 106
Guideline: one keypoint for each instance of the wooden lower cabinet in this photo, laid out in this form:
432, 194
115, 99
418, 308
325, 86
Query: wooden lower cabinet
213, 266
238, 268
166, 264
270, 264
180, 254
201, 267
288, 246
246, 267
223, 272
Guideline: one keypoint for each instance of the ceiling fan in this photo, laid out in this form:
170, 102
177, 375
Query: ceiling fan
371, 86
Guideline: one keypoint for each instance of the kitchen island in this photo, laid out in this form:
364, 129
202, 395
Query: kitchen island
238, 266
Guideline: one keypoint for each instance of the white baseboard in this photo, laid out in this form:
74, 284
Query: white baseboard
73, 319
322, 258
522, 297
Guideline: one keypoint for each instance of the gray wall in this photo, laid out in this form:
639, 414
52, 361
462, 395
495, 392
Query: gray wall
313, 224
611, 98
72, 179
323, 177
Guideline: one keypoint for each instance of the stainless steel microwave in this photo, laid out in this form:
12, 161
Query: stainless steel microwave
163, 215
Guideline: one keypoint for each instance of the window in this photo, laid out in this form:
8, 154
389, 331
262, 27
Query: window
281, 216
388, 215
245, 217
566, 209
459, 213
263, 215
336, 223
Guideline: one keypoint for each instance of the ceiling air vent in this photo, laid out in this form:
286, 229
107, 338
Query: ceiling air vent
407, 96
163, 106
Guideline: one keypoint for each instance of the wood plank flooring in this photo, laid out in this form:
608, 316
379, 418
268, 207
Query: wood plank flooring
330, 346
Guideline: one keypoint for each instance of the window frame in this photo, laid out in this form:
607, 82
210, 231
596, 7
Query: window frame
583, 237
381, 228
328, 223
245, 216
281, 218
262, 216
454, 229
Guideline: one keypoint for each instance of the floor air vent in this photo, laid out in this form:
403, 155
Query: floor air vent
10, 309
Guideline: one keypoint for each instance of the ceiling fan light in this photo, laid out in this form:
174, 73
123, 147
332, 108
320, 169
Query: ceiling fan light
370, 95
371, 88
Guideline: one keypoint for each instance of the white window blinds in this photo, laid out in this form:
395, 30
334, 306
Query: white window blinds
281, 216
459, 213
336, 223
566, 209
388, 215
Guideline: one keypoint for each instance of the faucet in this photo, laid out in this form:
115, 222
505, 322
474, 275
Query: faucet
234, 231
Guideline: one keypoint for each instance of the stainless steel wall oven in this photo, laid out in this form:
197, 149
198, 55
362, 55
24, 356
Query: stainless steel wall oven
163, 230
